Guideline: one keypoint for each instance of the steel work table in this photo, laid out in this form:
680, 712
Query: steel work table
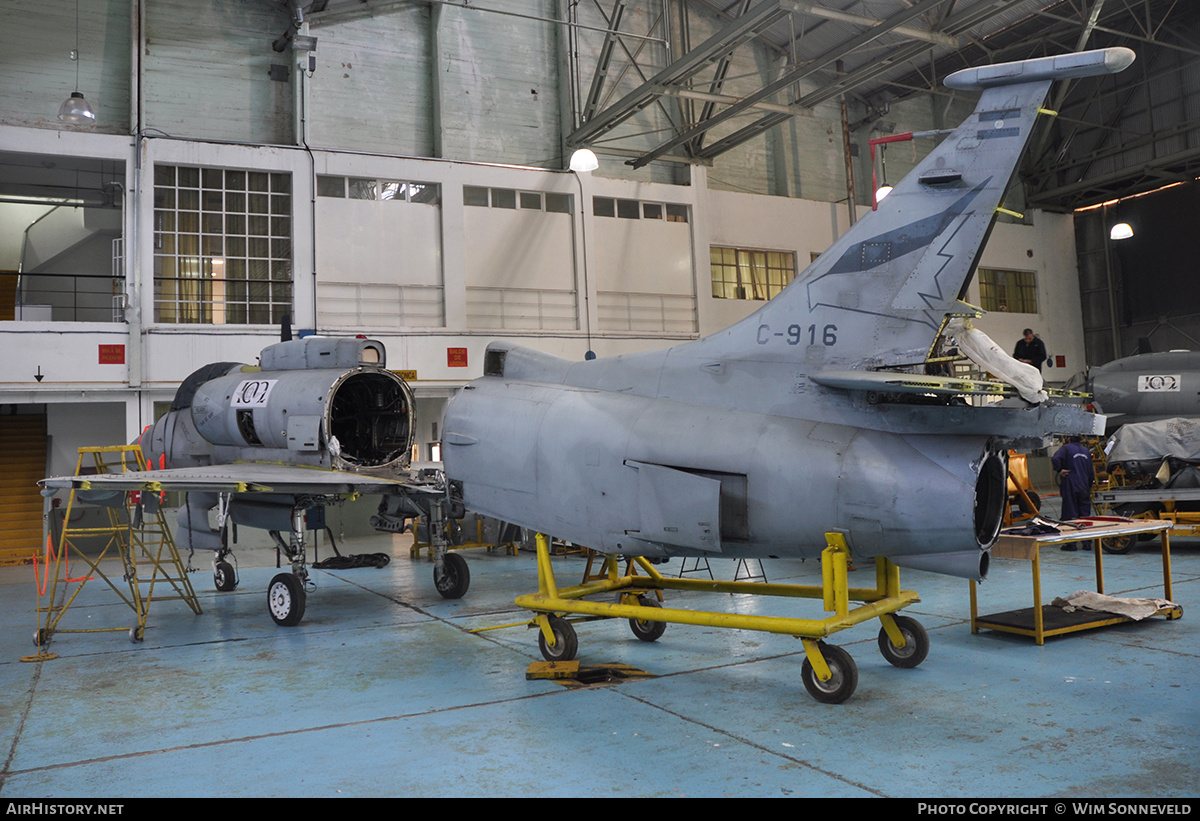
1041, 620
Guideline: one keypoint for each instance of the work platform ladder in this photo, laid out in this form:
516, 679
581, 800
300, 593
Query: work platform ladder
136, 534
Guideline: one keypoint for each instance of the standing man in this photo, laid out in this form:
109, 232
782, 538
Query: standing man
1073, 462
1030, 350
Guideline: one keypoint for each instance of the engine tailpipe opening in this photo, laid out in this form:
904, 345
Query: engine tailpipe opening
991, 495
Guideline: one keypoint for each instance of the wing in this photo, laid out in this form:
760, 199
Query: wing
246, 477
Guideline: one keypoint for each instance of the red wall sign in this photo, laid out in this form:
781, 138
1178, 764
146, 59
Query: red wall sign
456, 357
112, 354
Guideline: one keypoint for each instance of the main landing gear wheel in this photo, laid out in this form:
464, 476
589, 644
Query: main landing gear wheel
566, 643
916, 643
224, 577
137, 634
648, 630
454, 578
843, 682
285, 600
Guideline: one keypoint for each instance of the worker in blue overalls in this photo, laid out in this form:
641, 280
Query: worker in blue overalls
1073, 462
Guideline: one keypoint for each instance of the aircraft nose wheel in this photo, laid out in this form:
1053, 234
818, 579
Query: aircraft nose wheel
224, 577
841, 684
916, 643
285, 600
454, 578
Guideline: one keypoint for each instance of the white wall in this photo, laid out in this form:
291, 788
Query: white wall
74, 425
1047, 247
467, 245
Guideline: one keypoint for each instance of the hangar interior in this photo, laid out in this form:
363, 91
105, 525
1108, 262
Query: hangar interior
400, 169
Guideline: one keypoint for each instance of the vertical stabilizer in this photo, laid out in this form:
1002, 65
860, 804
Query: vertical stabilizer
879, 294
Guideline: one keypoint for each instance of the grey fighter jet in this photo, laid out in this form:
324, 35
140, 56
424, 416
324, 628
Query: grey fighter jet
1147, 387
318, 419
812, 415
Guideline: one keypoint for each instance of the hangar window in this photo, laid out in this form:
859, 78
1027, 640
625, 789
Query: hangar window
222, 245
520, 200
1012, 291
504, 198
637, 209
360, 188
741, 273
331, 186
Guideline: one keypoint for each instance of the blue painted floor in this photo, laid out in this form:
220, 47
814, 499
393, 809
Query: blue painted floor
383, 690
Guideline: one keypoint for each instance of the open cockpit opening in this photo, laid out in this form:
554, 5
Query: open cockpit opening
370, 415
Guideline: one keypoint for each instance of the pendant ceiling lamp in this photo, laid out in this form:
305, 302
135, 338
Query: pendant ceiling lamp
75, 109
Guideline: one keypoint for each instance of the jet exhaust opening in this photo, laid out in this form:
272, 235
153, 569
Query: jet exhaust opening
370, 416
991, 494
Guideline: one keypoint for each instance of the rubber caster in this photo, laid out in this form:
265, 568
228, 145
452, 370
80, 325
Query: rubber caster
1119, 545
916, 643
648, 630
566, 643
841, 684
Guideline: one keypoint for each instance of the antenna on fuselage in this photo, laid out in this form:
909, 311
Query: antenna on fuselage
285, 328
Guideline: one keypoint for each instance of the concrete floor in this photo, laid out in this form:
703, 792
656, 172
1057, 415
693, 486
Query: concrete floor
384, 691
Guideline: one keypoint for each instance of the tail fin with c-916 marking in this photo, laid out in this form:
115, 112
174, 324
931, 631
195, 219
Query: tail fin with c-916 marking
878, 295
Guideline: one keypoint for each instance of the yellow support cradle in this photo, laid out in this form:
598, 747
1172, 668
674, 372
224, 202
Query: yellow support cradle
149, 560
829, 672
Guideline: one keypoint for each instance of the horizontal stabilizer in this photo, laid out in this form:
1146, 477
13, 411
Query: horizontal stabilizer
1059, 67
910, 383
893, 382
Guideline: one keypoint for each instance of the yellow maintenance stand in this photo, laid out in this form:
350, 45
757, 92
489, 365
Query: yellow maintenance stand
136, 534
829, 673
